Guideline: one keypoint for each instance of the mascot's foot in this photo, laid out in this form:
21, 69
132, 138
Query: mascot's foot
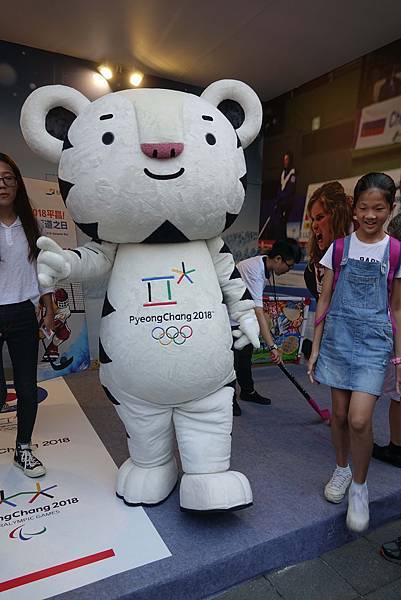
229, 490
138, 486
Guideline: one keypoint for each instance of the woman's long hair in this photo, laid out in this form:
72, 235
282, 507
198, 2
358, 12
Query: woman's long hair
336, 203
23, 210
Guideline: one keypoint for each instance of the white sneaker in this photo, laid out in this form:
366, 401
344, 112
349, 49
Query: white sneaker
358, 508
336, 488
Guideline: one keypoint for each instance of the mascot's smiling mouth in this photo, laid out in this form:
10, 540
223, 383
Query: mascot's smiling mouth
172, 176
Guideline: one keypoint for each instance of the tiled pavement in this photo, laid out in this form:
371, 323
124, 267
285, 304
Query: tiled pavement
355, 570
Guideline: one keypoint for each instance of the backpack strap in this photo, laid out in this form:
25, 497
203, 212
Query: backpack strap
394, 263
336, 258
338, 250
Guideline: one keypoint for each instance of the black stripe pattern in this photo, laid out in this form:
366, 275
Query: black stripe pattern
235, 274
107, 307
65, 187
91, 230
244, 181
230, 218
246, 295
103, 357
225, 249
110, 396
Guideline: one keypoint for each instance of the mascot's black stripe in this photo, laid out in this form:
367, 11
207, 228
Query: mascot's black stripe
65, 187
67, 144
103, 357
110, 396
238, 142
244, 181
225, 249
92, 250
167, 232
246, 295
91, 230
77, 252
235, 274
107, 307
230, 218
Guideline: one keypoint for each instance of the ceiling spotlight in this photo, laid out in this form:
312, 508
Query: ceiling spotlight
136, 78
100, 81
105, 71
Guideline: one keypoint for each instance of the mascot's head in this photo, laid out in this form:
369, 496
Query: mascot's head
148, 165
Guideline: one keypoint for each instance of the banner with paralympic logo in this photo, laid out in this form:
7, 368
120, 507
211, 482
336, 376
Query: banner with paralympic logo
66, 529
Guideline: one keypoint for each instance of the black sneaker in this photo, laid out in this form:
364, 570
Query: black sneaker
25, 460
254, 397
387, 454
392, 551
237, 412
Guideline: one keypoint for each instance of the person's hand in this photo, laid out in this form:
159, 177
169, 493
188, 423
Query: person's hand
276, 357
52, 262
248, 332
311, 367
398, 378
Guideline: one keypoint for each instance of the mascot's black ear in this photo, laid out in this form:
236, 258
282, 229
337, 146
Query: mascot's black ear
240, 105
58, 121
233, 111
47, 115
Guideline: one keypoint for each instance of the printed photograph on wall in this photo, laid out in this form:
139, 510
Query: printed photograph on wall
286, 318
65, 349
281, 208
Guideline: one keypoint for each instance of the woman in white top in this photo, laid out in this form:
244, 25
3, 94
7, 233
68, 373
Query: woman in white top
19, 295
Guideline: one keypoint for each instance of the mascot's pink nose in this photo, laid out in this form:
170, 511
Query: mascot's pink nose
162, 150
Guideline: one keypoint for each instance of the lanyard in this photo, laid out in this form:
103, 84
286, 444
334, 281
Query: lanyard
275, 320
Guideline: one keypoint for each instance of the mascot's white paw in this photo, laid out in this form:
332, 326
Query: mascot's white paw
229, 490
140, 486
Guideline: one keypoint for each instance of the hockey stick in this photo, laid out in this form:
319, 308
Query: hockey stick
323, 413
63, 364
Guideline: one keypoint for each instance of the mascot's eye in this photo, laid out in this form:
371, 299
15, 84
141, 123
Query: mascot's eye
108, 138
210, 139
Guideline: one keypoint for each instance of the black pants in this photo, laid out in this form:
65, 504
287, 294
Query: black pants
19, 329
243, 368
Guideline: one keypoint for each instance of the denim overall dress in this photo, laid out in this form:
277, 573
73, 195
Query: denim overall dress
357, 339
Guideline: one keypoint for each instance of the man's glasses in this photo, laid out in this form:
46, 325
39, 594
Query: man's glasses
289, 266
9, 180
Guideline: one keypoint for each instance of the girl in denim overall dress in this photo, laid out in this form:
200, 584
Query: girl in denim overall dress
353, 344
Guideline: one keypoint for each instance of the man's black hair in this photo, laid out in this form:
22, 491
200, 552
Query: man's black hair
288, 249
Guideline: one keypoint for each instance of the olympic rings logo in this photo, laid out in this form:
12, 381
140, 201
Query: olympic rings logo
172, 335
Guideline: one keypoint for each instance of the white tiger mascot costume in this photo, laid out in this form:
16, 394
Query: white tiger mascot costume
154, 177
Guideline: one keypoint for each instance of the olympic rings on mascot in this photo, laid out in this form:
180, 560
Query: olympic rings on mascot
172, 334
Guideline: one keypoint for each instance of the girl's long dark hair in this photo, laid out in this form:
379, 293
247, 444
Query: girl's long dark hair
23, 208
381, 181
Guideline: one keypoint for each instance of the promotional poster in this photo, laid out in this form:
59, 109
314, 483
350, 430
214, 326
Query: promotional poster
66, 349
